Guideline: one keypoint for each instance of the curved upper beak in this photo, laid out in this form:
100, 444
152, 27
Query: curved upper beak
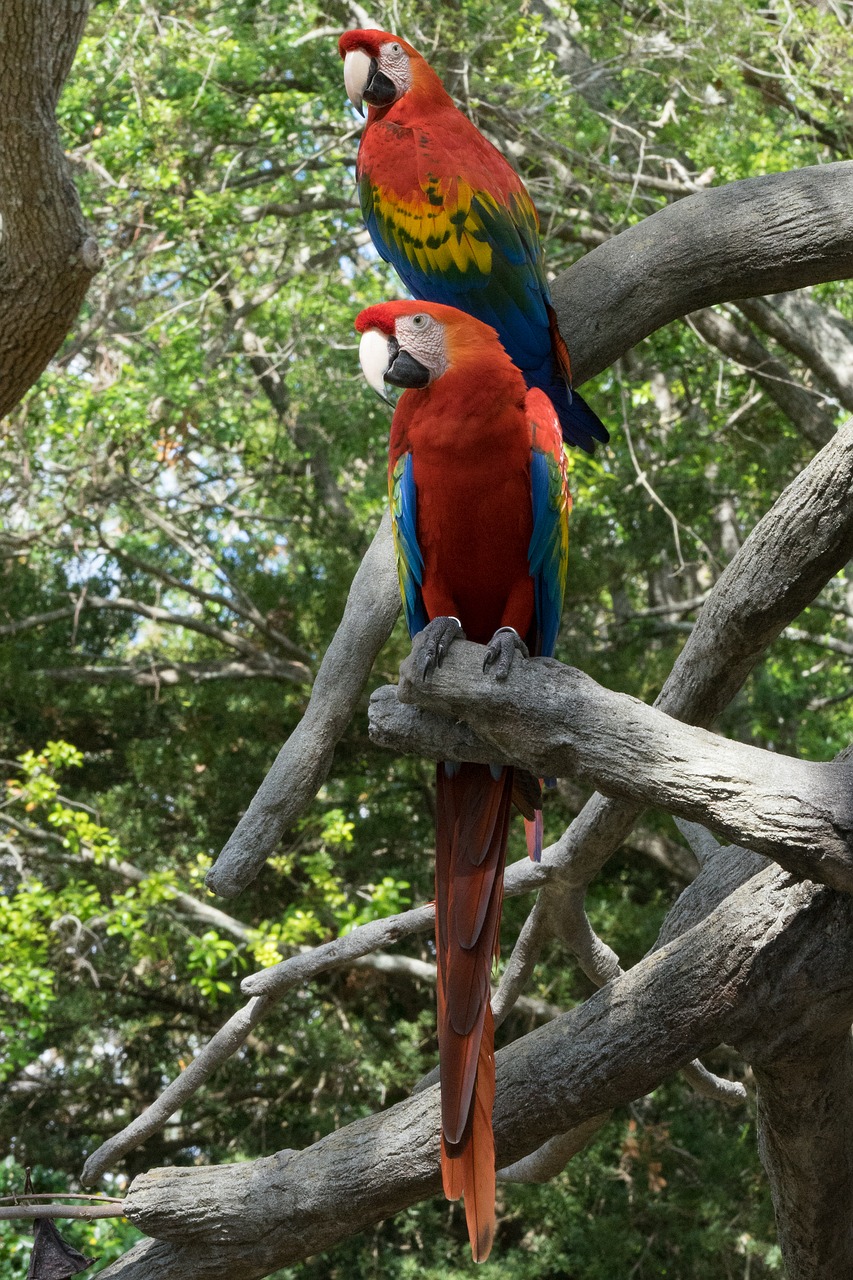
383, 360
374, 356
357, 73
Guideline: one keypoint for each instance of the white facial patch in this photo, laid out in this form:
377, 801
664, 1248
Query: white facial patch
424, 338
394, 63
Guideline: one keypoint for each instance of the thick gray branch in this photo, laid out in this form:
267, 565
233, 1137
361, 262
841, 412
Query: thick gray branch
554, 720
749, 972
305, 759
805, 1121
748, 238
47, 256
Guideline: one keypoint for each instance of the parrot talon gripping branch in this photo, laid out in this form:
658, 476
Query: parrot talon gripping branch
501, 650
434, 644
470, 443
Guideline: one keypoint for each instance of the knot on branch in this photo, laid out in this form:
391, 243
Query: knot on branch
90, 255
557, 722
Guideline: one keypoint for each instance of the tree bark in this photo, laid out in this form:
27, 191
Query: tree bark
47, 256
748, 238
555, 721
805, 1124
763, 965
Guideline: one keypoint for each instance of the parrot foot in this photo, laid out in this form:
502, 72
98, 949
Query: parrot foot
435, 641
503, 646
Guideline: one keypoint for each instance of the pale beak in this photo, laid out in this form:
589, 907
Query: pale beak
374, 355
356, 76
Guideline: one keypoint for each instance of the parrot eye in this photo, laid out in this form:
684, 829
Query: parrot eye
396, 48
420, 320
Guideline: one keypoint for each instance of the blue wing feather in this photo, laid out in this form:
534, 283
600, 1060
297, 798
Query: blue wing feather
484, 256
549, 543
410, 562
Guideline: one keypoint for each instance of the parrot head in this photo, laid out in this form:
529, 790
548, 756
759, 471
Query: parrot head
379, 68
412, 344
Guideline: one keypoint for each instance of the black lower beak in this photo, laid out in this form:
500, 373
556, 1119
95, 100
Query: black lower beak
404, 370
380, 90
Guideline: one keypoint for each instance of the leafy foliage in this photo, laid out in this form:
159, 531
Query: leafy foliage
189, 489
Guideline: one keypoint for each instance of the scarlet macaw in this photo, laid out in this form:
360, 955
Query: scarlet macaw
444, 207
480, 511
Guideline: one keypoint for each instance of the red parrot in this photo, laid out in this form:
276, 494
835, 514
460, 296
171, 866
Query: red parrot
480, 511
444, 207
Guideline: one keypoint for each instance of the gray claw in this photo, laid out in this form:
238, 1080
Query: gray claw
435, 641
503, 646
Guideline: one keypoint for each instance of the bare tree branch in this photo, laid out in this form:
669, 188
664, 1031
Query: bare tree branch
242, 605
160, 672
752, 970
305, 759
665, 853
553, 1156
819, 336
267, 987
796, 402
47, 255
205, 912
259, 661
553, 720
88, 1212
745, 239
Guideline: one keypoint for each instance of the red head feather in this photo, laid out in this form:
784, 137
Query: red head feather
370, 41
467, 339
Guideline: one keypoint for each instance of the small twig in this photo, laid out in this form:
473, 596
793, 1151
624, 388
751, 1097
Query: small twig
87, 1212
266, 988
59, 1195
717, 1088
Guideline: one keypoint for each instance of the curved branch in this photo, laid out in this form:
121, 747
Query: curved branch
819, 336
752, 969
47, 256
305, 759
756, 236
800, 406
553, 720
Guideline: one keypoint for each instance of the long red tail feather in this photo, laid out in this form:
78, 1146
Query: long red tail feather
472, 821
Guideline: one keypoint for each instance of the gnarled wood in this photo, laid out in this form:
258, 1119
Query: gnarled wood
47, 255
760, 235
749, 973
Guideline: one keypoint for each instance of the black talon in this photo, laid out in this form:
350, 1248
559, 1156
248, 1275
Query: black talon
503, 646
435, 641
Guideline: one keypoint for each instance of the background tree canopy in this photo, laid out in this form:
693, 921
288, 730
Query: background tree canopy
189, 489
